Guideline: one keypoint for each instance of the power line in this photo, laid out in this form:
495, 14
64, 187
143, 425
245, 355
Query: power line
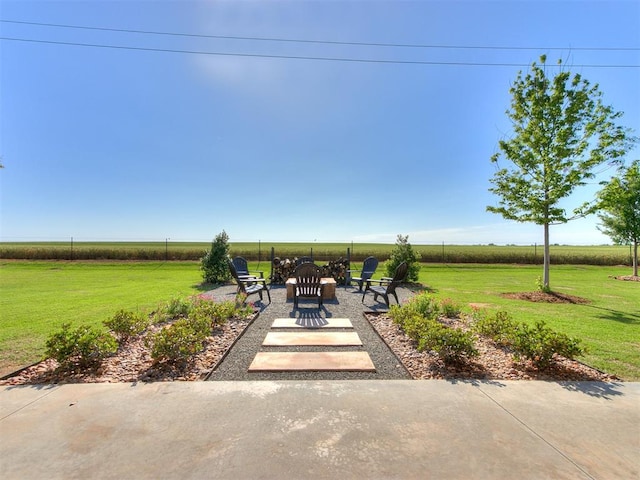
326, 42
298, 57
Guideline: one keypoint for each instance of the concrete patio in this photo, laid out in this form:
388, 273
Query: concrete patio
321, 429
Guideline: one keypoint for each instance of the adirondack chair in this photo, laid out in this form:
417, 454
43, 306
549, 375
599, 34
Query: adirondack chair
387, 286
242, 268
251, 285
308, 283
368, 269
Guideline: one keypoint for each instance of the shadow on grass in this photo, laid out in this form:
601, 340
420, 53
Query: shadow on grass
205, 287
617, 316
417, 288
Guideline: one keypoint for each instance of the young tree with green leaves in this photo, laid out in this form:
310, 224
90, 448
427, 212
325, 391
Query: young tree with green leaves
561, 133
214, 266
620, 209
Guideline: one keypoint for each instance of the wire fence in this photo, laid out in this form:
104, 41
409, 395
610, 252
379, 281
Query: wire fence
167, 250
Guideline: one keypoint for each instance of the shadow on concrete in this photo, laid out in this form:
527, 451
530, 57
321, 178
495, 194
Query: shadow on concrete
604, 390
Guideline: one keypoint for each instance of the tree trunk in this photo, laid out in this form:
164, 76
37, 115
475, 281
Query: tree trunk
545, 277
635, 258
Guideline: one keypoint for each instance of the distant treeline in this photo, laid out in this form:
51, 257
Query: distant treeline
322, 252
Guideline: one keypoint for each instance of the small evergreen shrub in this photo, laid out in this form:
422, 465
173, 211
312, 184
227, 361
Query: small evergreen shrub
416, 326
424, 304
174, 308
179, 341
201, 325
449, 308
178, 307
127, 324
406, 318
418, 320
499, 327
540, 344
451, 344
85, 346
195, 307
403, 252
207, 313
214, 264
397, 314
217, 313
196, 318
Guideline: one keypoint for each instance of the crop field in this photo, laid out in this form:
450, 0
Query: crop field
38, 296
254, 251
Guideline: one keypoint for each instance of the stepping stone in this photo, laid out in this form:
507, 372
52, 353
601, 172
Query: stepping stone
319, 322
279, 339
312, 361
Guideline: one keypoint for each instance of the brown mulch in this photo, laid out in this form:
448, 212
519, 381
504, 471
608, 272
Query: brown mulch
546, 297
132, 362
492, 363
628, 278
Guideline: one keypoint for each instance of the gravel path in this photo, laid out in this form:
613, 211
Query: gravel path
348, 304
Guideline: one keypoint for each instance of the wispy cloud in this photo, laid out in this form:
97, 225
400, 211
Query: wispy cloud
241, 73
583, 232
300, 85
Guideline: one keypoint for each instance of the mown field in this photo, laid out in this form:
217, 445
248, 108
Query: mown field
254, 251
38, 296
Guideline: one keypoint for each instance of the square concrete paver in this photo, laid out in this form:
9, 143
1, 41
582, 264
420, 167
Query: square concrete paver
311, 338
312, 322
315, 361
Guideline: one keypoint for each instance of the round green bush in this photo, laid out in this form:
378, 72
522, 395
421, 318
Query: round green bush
84, 346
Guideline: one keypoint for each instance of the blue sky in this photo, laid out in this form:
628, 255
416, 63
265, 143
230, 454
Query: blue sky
143, 143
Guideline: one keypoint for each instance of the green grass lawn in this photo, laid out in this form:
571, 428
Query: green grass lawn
37, 297
609, 325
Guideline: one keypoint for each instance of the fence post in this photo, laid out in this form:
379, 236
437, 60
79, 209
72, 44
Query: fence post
272, 257
347, 274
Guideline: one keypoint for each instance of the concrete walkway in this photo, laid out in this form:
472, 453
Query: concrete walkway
321, 429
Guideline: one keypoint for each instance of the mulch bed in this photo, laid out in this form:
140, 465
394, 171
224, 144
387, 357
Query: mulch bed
546, 297
132, 362
492, 363
628, 278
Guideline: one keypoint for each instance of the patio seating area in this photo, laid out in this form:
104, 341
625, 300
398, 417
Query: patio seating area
283, 343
